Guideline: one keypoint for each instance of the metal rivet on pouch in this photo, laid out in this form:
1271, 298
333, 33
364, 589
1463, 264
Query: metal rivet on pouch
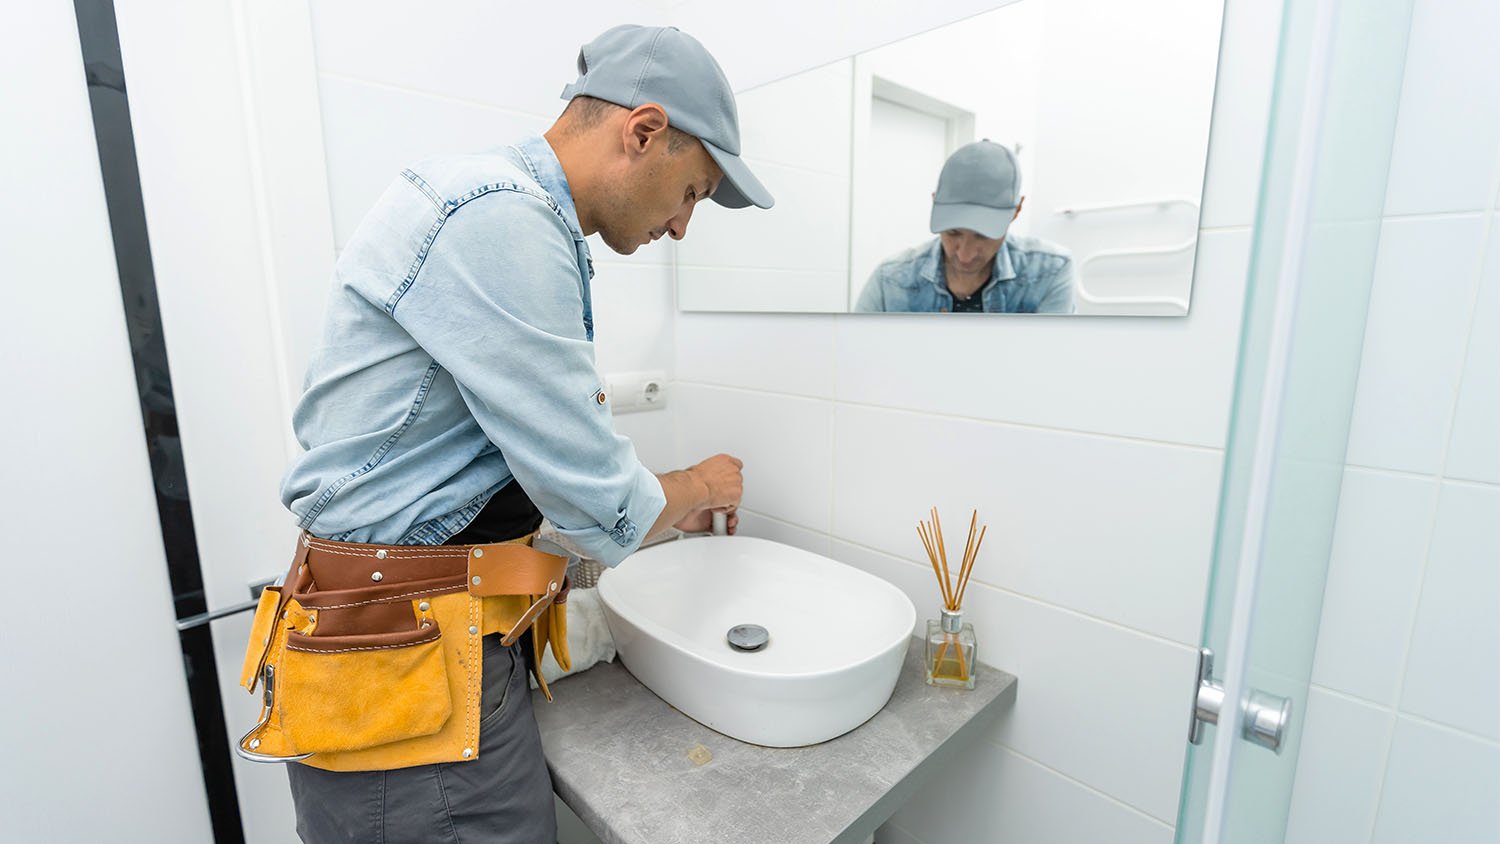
424, 606
377, 577
473, 631
552, 587
254, 743
380, 555
468, 752
479, 552
476, 580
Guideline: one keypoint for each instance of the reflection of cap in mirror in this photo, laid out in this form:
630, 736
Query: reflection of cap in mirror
979, 189
633, 65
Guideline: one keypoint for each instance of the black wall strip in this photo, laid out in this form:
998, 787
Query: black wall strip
100, 42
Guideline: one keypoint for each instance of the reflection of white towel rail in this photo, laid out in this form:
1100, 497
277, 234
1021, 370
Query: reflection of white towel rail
1121, 206
1184, 248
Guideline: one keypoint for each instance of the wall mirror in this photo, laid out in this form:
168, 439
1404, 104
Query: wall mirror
1100, 107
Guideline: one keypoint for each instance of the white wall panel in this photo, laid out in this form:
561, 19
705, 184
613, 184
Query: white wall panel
784, 442
1474, 448
92, 663
1117, 529
1160, 378
1448, 129
1453, 669
1374, 577
1439, 786
1420, 308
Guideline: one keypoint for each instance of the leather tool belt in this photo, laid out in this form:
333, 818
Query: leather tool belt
369, 657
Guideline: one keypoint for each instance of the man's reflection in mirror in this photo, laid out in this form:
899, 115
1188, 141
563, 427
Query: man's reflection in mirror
972, 266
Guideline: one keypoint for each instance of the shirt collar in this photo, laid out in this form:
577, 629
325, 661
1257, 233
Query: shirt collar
548, 172
931, 267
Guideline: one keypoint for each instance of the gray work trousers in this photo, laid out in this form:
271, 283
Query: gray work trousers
503, 797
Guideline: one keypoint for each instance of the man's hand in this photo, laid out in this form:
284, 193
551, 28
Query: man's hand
721, 476
695, 492
703, 520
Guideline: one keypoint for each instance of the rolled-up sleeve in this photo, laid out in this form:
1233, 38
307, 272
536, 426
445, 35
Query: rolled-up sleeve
498, 302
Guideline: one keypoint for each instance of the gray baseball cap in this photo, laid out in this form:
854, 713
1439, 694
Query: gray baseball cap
979, 189
631, 65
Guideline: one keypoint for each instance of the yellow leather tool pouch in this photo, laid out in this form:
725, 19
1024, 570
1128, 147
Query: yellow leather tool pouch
369, 657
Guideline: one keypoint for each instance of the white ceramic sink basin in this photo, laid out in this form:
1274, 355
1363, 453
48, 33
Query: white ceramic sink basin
837, 636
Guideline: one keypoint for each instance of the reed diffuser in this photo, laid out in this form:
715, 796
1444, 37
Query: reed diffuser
950, 642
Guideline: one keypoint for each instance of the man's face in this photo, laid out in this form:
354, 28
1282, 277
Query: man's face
656, 195
969, 252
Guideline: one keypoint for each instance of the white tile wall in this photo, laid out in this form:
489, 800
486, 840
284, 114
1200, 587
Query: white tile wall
1159, 378
372, 131
733, 350
1449, 125
487, 52
1401, 740
1453, 670
1420, 308
1114, 528
1339, 770
1374, 576
1474, 450
784, 441
1439, 786
765, 527
1084, 684
997, 796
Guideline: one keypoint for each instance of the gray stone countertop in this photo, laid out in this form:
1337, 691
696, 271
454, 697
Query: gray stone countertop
633, 768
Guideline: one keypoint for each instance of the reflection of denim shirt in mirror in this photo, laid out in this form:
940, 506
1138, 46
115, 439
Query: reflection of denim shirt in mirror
1031, 276
458, 355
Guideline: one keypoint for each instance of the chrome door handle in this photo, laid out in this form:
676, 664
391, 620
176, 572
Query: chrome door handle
203, 618
1266, 716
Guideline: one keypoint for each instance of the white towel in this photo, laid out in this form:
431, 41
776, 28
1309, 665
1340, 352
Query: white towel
589, 640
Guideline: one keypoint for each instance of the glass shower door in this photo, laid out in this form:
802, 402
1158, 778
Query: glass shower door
1338, 83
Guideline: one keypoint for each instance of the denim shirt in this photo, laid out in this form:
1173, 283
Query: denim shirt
1031, 276
457, 356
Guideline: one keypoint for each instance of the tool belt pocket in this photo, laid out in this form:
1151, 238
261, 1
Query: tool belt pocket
347, 669
362, 690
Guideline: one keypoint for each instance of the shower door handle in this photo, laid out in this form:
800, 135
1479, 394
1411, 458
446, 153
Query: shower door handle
1266, 716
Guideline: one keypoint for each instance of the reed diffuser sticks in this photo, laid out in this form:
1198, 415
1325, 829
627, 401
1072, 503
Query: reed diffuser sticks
948, 663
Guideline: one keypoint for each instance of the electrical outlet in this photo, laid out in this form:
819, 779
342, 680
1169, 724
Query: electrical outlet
630, 392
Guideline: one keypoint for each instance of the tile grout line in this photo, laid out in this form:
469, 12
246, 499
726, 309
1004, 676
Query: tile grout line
1442, 467
436, 95
956, 417
1042, 602
1396, 712
1409, 475
1104, 794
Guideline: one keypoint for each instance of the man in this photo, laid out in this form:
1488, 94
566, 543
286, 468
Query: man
455, 401
972, 266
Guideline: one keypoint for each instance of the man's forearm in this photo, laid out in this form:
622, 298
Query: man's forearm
685, 494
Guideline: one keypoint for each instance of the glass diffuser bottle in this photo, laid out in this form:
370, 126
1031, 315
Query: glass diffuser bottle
950, 644
950, 651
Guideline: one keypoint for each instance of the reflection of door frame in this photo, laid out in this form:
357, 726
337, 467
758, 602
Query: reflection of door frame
867, 87
960, 122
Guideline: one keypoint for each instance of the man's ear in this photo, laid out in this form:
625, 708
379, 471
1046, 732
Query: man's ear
1018, 208
644, 126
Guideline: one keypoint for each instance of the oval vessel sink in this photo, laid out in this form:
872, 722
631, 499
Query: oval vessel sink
833, 642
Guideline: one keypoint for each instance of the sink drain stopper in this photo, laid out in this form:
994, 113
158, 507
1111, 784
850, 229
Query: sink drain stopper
748, 637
